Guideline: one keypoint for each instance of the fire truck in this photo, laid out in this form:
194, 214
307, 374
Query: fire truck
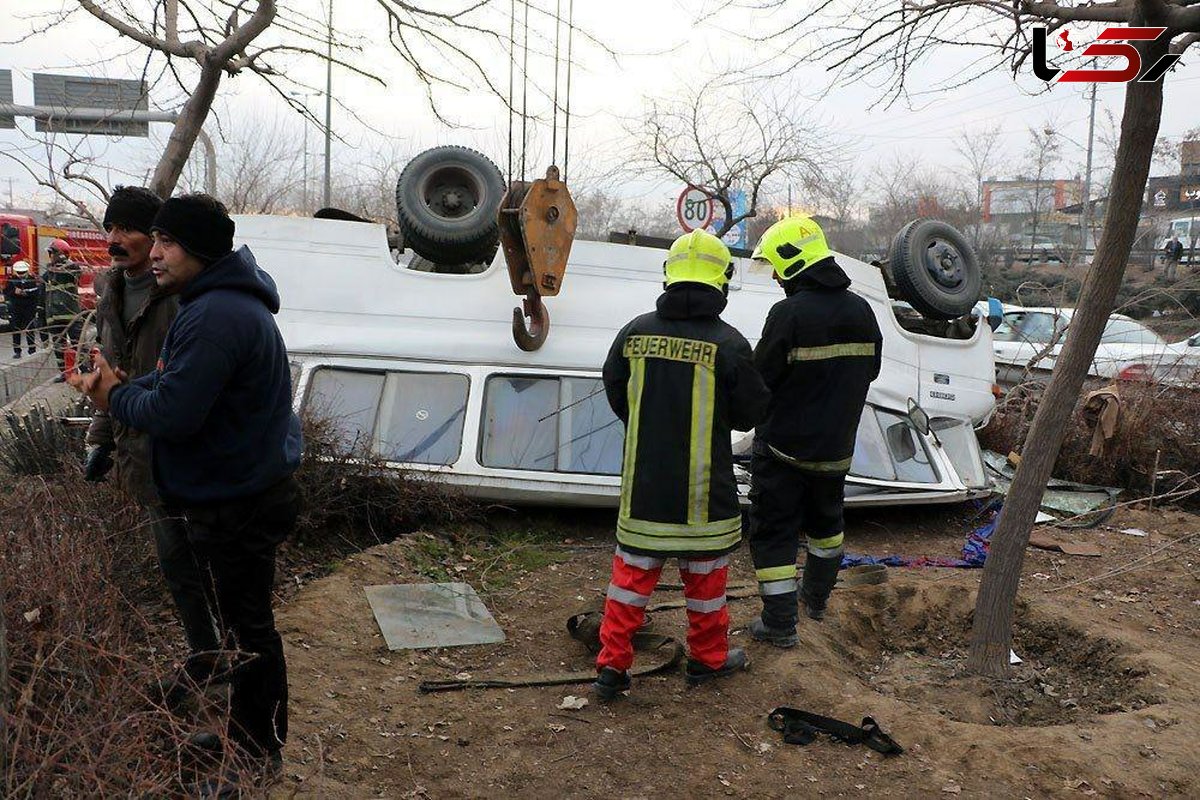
23, 239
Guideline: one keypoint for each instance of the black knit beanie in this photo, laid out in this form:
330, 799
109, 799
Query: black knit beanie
133, 207
199, 223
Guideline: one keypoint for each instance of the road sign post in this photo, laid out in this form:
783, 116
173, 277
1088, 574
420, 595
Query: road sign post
64, 93
694, 209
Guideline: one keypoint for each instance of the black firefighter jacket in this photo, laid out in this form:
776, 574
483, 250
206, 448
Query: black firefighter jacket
136, 350
680, 379
820, 349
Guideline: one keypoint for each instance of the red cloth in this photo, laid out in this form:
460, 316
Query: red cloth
624, 614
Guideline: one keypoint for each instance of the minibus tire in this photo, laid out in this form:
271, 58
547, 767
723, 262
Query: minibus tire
935, 269
447, 200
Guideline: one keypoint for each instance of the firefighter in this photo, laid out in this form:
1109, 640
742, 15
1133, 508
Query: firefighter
820, 349
63, 322
22, 294
679, 378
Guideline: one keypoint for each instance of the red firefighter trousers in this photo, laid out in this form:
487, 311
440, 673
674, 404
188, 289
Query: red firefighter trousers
633, 580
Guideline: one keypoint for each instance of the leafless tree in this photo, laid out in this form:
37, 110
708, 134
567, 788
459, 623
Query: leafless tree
66, 168
261, 170
1168, 149
883, 40
982, 156
198, 44
902, 188
720, 143
837, 190
1041, 155
600, 212
367, 187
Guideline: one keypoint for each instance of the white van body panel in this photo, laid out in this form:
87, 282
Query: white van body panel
348, 305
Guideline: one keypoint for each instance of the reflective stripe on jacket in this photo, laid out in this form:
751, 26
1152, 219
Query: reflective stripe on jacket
820, 349
681, 379
62, 292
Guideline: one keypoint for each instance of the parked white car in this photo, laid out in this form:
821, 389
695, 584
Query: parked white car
1128, 350
422, 368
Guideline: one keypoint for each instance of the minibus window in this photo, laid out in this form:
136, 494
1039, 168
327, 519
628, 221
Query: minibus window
421, 417
349, 400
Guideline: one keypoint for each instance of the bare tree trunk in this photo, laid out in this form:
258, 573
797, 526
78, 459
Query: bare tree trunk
991, 636
186, 130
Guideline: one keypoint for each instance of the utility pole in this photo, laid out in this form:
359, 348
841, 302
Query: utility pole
1086, 228
304, 116
328, 99
305, 192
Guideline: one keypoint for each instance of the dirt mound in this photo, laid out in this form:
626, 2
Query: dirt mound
894, 652
910, 641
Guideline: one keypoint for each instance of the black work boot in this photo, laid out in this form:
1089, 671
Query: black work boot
780, 637
698, 673
820, 574
610, 683
777, 625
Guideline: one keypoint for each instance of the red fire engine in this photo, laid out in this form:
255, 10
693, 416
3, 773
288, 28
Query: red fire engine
24, 240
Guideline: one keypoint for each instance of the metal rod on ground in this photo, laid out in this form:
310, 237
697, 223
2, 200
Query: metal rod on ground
1154, 478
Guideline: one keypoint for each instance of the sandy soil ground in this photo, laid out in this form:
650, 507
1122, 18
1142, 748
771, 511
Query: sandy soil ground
1104, 705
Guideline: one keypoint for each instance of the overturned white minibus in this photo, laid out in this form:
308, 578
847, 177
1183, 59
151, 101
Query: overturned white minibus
423, 368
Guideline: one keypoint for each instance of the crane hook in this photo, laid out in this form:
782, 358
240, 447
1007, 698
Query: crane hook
531, 336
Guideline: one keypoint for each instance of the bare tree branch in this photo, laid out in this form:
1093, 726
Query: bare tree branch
719, 145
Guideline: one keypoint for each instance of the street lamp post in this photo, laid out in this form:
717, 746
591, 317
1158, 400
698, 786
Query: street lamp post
303, 97
1085, 208
1085, 228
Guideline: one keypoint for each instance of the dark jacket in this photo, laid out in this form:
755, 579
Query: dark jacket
218, 408
134, 349
680, 379
820, 349
22, 296
62, 292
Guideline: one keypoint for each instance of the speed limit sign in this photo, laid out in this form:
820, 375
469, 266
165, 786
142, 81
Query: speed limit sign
694, 209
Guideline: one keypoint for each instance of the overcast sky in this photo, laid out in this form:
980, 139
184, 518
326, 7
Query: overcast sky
663, 46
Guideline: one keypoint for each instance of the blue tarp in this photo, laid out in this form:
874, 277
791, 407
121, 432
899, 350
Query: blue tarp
974, 551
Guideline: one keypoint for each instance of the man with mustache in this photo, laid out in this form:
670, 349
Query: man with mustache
132, 318
226, 445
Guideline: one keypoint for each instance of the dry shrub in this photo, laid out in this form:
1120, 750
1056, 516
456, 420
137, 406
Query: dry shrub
83, 601
35, 443
353, 495
1158, 425
81, 717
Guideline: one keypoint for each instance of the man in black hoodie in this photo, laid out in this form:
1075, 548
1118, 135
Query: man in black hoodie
680, 379
132, 319
820, 349
224, 443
